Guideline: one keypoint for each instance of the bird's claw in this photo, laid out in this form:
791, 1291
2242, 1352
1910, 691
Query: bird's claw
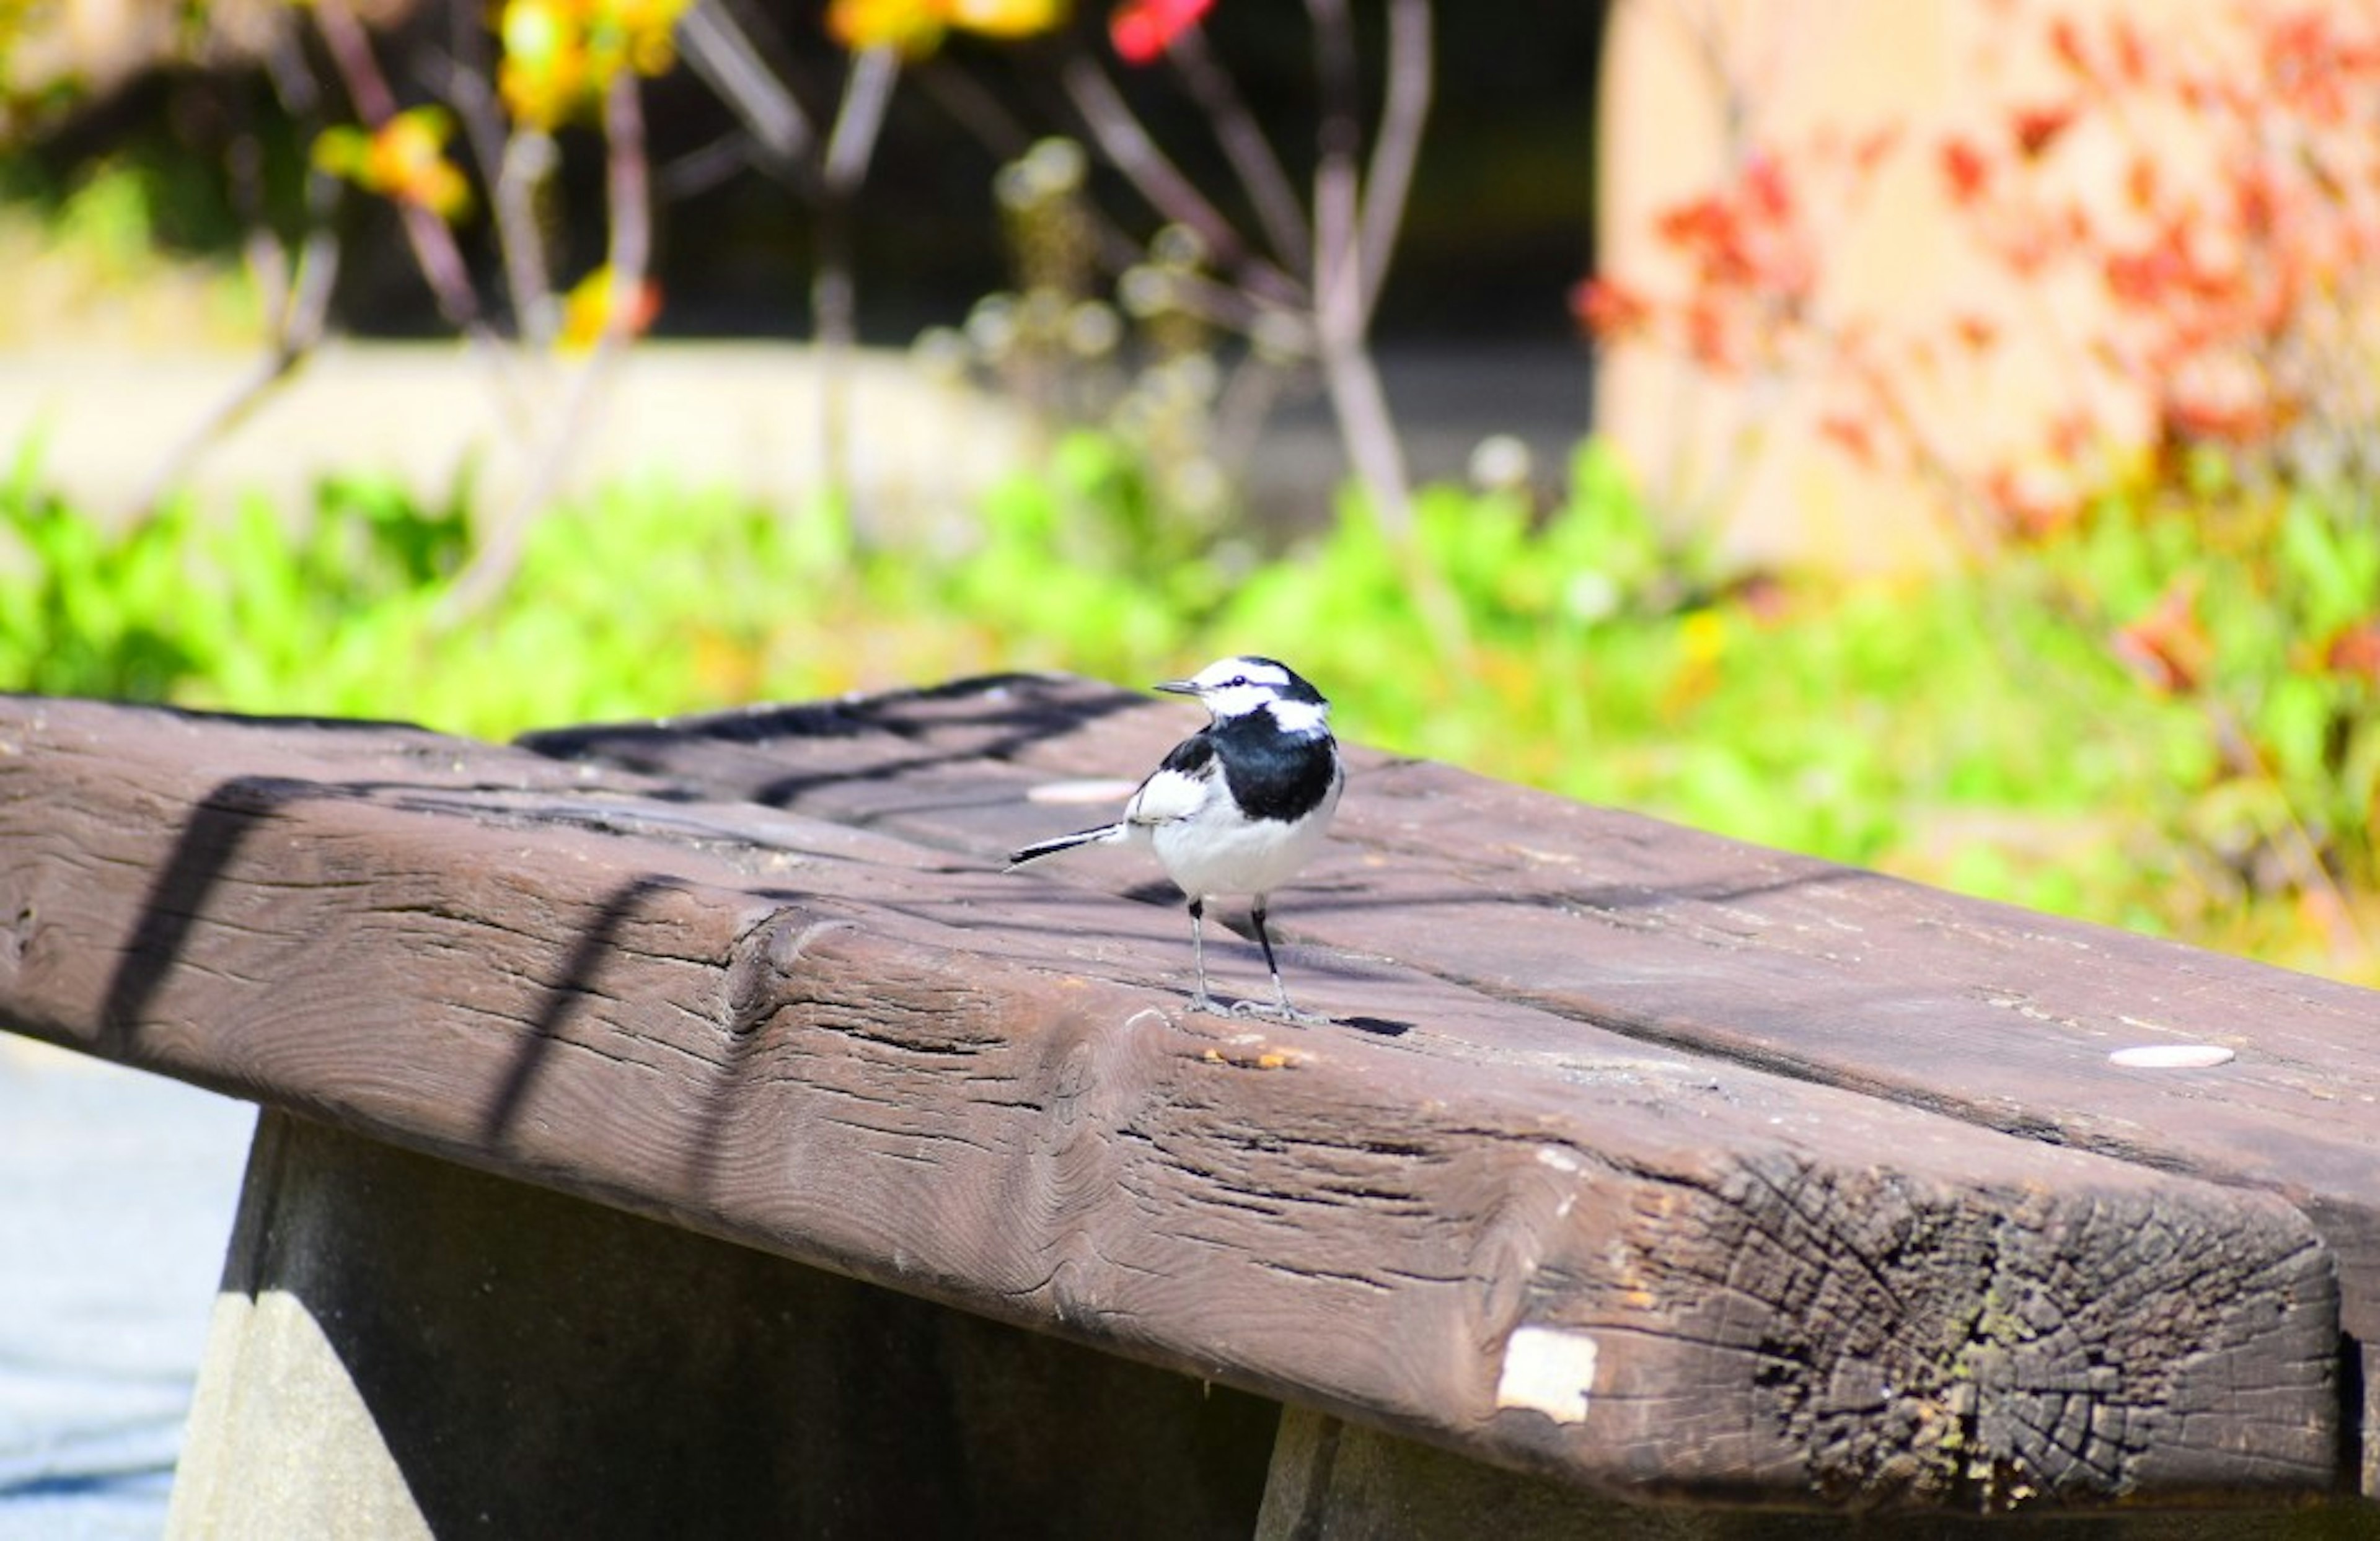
1271, 1011
1281, 1011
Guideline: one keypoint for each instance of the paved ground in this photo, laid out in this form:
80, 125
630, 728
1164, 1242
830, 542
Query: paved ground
102, 422
116, 1192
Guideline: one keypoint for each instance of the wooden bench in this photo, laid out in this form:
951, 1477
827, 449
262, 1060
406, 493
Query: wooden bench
686, 1128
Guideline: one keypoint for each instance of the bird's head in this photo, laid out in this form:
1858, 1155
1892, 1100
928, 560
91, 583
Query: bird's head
1235, 687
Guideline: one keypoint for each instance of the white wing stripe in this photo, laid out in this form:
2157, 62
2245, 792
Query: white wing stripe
1169, 796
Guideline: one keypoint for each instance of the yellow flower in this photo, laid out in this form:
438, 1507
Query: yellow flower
544, 74
596, 302
1006, 19
915, 27
404, 159
560, 55
649, 26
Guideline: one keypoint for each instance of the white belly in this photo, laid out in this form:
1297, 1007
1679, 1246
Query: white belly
1248, 859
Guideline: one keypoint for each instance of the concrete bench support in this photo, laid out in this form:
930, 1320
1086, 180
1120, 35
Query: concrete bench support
408, 1347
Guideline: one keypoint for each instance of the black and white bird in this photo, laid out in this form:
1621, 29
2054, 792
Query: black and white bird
1238, 807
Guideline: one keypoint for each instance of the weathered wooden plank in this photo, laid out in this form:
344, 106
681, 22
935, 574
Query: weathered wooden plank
1996, 1015
1478, 1223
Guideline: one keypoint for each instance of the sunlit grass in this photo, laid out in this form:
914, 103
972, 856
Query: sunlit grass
1957, 730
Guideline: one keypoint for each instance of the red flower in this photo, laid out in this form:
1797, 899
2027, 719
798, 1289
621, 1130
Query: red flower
1851, 435
2065, 39
2037, 129
2356, 651
1608, 308
2132, 54
1965, 169
1142, 30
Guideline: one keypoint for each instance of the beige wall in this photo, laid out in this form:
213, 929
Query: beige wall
1688, 86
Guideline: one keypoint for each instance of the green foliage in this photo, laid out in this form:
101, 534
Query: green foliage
2253, 614
1976, 730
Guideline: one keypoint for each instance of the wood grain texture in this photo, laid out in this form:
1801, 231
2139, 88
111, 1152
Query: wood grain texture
1998, 1016
1994, 1015
1470, 1219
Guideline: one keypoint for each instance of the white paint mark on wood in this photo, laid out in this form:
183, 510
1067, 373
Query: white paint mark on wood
1549, 1370
1102, 790
2172, 1056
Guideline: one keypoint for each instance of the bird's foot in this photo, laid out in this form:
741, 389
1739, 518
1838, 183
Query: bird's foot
1279, 1011
1202, 1001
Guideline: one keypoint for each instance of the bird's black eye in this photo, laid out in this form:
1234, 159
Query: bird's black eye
1235, 680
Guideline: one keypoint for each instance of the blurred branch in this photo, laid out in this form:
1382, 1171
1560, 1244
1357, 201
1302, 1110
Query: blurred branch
1129, 147
827, 176
720, 50
629, 192
834, 298
517, 163
1404, 114
1341, 289
965, 100
1250, 153
434, 251
295, 292
867, 91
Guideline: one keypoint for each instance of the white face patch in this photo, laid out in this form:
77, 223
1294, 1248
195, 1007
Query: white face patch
1301, 716
1225, 672
1236, 701
1235, 687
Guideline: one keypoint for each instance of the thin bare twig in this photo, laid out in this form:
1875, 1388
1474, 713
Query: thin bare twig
964, 99
851, 144
1129, 147
515, 163
296, 291
834, 298
1405, 111
1341, 313
719, 50
1244, 144
434, 250
1339, 136
629, 192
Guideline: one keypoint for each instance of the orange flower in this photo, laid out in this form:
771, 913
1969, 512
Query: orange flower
2167, 647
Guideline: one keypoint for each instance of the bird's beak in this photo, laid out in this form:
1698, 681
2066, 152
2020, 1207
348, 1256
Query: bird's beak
1178, 687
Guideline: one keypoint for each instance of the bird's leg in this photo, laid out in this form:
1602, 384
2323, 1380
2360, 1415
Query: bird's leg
1201, 1001
1281, 1007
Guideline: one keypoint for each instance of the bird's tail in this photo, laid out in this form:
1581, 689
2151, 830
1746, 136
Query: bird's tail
1064, 843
